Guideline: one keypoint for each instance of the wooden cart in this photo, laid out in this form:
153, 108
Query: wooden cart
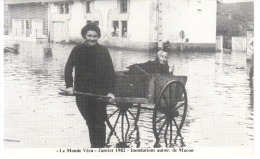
165, 95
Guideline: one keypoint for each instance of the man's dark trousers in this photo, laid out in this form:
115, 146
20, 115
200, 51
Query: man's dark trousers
94, 112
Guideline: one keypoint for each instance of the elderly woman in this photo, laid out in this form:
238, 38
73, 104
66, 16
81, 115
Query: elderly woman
159, 65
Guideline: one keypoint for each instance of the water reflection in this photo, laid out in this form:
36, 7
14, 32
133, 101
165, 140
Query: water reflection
220, 100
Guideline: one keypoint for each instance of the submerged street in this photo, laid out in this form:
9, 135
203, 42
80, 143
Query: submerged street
220, 100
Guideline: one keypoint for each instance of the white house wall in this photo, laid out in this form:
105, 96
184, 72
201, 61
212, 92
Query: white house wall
139, 21
55, 17
199, 26
105, 7
77, 20
197, 18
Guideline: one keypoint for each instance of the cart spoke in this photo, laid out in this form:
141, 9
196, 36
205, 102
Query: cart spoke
137, 114
160, 119
170, 142
161, 128
128, 125
180, 115
117, 120
131, 114
170, 94
122, 125
165, 133
175, 123
166, 102
179, 106
113, 113
176, 93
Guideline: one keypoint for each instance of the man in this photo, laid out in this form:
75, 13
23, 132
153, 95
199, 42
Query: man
94, 73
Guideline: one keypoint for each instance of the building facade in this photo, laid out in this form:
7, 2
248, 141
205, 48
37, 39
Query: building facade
134, 24
28, 20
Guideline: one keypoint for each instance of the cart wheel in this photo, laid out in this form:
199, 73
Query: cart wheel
170, 111
124, 112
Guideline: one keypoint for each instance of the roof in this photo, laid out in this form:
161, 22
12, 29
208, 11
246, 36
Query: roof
31, 1
219, 1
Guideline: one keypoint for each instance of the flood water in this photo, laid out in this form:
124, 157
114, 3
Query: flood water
220, 100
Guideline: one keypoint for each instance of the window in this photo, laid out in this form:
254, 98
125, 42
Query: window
119, 29
63, 8
88, 3
66, 6
96, 22
115, 25
123, 6
124, 28
27, 24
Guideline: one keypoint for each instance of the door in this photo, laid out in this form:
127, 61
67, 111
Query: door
27, 27
37, 27
227, 42
58, 29
17, 27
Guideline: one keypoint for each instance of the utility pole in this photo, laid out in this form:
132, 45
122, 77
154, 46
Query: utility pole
159, 25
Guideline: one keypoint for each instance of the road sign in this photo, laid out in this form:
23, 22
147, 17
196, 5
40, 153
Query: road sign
182, 34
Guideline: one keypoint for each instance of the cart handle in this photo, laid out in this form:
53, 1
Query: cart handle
64, 92
142, 70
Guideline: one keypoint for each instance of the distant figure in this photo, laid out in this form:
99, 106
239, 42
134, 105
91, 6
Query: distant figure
159, 65
251, 46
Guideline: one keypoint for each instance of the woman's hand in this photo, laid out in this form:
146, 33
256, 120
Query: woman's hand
70, 90
171, 69
112, 97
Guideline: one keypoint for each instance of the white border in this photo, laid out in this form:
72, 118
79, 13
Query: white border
199, 152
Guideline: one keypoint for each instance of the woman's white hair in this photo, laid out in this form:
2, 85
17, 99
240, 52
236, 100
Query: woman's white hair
160, 52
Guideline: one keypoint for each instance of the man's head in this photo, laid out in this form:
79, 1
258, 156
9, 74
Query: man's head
91, 33
162, 57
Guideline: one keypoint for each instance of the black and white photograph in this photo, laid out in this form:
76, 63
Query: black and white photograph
122, 78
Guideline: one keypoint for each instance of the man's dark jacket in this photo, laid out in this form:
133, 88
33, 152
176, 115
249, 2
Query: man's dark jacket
94, 70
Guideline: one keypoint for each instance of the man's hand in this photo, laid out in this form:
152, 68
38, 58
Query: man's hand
112, 97
70, 90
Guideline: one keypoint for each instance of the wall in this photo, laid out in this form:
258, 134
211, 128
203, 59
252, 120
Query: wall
219, 43
77, 20
138, 32
239, 44
29, 11
196, 18
55, 16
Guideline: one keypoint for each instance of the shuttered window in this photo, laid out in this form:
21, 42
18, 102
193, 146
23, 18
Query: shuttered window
88, 6
124, 29
93, 21
64, 8
123, 6
115, 32
61, 8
